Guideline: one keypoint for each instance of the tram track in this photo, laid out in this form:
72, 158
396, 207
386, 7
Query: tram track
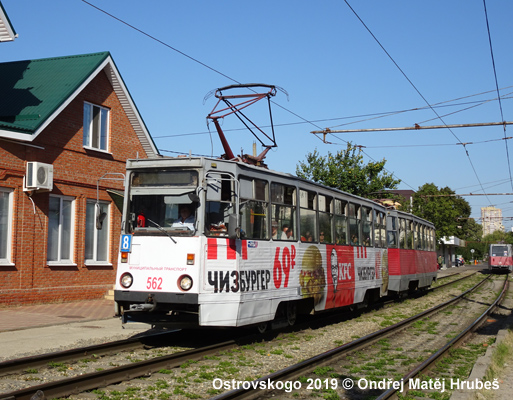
463, 335
299, 371
140, 341
81, 383
442, 285
99, 350
89, 381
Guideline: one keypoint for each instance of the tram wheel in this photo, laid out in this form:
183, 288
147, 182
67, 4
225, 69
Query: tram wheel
262, 327
291, 313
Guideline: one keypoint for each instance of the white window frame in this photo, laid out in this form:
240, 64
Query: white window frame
106, 225
59, 260
88, 127
6, 261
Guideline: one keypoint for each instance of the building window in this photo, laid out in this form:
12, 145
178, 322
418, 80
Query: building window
97, 233
96, 126
60, 230
5, 225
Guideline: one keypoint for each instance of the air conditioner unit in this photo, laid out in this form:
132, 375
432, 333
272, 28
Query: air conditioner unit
39, 176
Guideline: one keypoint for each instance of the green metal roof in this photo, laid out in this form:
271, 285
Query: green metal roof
30, 91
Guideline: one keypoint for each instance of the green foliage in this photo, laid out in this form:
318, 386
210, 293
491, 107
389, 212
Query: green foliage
346, 171
472, 231
448, 212
481, 246
498, 237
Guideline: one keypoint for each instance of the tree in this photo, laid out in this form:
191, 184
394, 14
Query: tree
482, 245
346, 171
498, 237
473, 232
448, 212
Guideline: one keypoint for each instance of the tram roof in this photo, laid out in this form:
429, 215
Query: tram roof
197, 162
201, 162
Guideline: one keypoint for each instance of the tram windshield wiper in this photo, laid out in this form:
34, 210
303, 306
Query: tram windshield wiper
161, 229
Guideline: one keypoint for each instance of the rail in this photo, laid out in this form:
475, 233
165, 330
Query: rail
296, 370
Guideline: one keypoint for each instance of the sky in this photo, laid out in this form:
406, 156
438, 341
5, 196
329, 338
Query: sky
364, 64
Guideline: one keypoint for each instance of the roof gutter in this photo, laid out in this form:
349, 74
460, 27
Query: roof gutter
22, 143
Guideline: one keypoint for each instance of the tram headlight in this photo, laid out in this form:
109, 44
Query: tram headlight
126, 280
185, 282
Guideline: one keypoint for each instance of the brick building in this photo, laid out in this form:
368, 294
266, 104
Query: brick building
67, 126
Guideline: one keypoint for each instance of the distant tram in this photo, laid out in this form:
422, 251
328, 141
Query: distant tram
216, 243
501, 257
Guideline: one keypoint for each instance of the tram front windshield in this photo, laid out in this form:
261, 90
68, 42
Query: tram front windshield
499, 251
163, 202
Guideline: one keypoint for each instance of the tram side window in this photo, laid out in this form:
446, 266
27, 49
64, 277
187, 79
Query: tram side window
354, 224
325, 219
392, 232
219, 205
403, 233
410, 238
254, 208
366, 214
307, 215
377, 233
283, 211
418, 241
340, 222
384, 230
379, 229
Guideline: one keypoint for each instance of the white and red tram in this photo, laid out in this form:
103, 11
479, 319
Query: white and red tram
260, 246
500, 257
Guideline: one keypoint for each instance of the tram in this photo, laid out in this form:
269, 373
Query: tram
500, 257
226, 242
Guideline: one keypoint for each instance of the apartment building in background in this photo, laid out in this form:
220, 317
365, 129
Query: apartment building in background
491, 220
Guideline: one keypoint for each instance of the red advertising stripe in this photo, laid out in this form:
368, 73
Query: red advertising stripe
211, 249
244, 250
231, 250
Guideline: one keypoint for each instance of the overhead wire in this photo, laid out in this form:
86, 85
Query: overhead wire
497, 86
278, 105
468, 108
206, 66
438, 144
371, 115
189, 57
415, 88
160, 41
436, 105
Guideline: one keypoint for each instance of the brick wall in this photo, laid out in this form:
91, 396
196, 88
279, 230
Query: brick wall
77, 170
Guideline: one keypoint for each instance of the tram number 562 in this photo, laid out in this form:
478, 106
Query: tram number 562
154, 283
283, 265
